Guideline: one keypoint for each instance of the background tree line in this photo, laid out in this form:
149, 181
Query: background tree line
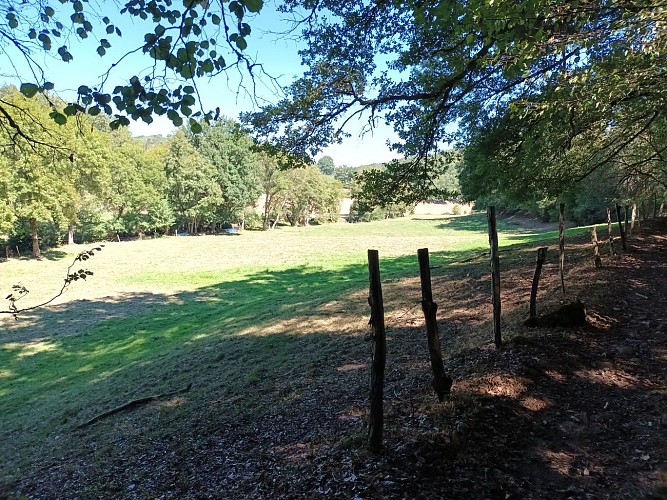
81, 181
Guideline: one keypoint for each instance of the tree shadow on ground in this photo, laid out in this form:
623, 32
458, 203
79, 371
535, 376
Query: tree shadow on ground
279, 362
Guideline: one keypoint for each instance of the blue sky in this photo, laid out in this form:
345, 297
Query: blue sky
268, 44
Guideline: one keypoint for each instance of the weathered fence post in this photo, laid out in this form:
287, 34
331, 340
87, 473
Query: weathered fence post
621, 228
541, 256
596, 247
495, 274
561, 245
442, 383
611, 234
376, 422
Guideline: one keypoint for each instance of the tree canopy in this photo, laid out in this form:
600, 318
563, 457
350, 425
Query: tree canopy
184, 41
547, 76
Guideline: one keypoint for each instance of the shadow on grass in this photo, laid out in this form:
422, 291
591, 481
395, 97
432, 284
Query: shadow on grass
90, 340
268, 377
54, 255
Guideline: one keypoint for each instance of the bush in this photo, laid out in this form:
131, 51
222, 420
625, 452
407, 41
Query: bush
50, 235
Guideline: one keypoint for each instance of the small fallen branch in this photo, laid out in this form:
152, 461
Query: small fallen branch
133, 403
20, 291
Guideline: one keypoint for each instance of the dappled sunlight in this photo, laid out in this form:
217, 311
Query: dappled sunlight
495, 384
37, 346
106, 374
556, 376
6, 373
173, 402
535, 404
610, 377
558, 461
352, 367
353, 414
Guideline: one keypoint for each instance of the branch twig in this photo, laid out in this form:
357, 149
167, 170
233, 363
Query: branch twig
132, 404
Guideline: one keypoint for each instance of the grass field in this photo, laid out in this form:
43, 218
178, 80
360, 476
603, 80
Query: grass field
225, 311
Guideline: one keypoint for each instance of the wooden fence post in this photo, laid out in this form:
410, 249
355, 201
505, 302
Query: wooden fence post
495, 274
611, 234
561, 245
596, 248
541, 256
621, 228
376, 422
442, 383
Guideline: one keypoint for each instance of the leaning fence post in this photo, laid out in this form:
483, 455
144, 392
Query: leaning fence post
495, 274
561, 245
541, 256
442, 383
621, 228
376, 422
596, 247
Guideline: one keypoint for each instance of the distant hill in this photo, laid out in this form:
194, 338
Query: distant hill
151, 140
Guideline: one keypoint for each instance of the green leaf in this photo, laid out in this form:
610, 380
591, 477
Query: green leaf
241, 43
59, 118
46, 41
29, 89
13, 22
253, 5
195, 126
175, 117
236, 8
70, 110
186, 71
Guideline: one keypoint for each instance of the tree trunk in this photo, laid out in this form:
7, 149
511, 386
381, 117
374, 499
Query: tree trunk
267, 209
621, 228
611, 235
442, 383
35, 239
634, 219
70, 234
541, 256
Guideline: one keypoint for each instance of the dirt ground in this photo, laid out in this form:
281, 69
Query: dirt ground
558, 413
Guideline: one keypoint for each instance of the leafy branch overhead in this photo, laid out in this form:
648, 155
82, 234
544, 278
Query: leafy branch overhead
185, 40
19, 291
441, 73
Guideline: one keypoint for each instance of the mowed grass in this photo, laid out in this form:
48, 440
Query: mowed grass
224, 312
